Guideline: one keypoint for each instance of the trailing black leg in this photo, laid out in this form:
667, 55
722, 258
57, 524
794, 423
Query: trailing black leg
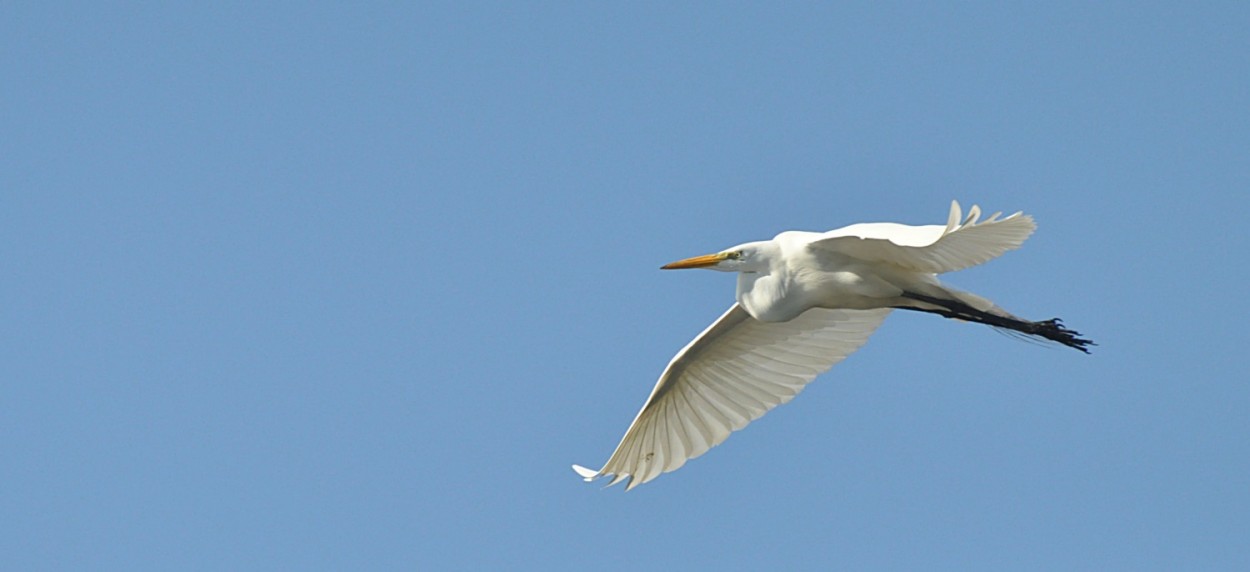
1052, 329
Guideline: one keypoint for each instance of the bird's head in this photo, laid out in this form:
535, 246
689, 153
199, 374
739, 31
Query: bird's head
749, 257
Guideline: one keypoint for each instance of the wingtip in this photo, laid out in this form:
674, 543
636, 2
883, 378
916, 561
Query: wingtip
974, 214
586, 474
956, 214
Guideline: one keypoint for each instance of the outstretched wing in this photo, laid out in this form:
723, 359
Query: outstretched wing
963, 242
730, 375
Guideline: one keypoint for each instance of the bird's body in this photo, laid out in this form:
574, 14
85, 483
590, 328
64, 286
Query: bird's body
802, 277
805, 301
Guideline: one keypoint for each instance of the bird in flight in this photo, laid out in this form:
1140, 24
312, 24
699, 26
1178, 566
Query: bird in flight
805, 301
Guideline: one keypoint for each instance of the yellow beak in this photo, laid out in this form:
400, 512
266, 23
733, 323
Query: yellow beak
696, 262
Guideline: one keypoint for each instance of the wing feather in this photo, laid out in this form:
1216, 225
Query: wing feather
695, 423
961, 243
731, 374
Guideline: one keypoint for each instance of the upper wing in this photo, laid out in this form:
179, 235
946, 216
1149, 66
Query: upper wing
932, 248
730, 375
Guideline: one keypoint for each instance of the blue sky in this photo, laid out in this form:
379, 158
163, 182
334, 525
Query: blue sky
306, 286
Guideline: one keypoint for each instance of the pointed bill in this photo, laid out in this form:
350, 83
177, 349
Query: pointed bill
696, 262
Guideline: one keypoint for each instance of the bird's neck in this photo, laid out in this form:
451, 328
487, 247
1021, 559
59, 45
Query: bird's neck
763, 296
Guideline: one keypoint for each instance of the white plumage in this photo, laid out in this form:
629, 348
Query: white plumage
805, 301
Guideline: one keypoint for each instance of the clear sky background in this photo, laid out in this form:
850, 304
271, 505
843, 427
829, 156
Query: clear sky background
295, 286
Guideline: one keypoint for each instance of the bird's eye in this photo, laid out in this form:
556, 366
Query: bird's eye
736, 255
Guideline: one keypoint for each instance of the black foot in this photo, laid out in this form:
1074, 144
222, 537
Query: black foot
1054, 330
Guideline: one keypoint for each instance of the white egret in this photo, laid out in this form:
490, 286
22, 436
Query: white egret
805, 301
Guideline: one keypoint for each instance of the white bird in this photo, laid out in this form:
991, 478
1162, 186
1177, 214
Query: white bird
805, 301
